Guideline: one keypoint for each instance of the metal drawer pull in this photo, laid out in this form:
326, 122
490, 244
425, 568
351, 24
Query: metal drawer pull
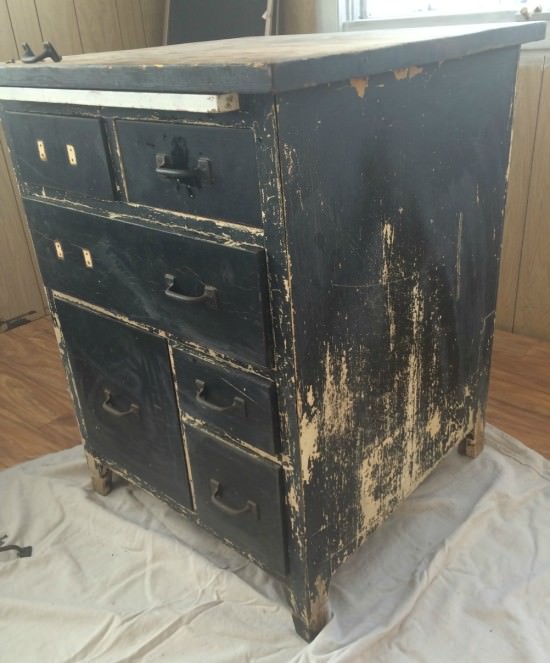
49, 52
190, 176
208, 297
216, 492
238, 404
108, 406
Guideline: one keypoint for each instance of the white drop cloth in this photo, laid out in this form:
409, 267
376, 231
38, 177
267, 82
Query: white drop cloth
460, 572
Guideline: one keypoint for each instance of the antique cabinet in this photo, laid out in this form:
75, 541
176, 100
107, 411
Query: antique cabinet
272, 264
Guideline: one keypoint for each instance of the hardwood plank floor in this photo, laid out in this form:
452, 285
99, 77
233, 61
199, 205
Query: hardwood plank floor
36, 413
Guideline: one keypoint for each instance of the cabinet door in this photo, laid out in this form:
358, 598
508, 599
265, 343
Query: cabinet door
125, 390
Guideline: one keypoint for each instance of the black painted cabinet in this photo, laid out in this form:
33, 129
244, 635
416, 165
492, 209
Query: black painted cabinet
273, 265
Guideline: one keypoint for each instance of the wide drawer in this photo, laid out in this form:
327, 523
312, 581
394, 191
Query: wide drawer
64, 153
126, 395
238, 496
200, 291
240, 403
204, 171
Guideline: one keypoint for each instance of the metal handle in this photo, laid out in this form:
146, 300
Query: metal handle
238, 405
190, 176
108, 406
22, 551
209, 295
216, 492
49, 52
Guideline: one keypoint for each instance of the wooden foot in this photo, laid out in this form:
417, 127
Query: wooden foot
315, 611
102, 477
307, 632
472, 444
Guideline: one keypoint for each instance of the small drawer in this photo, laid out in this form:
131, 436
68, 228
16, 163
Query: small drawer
240, 403
199, 291
204, 171
127, 400
239, 496
64, 153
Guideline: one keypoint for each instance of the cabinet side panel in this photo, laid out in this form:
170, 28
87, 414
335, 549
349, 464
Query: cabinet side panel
394, 190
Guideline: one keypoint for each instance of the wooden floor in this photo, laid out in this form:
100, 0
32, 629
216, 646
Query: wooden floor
36, 415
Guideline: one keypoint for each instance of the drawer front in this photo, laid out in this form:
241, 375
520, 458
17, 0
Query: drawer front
240, 403
65, 153
200, 291
239, 497
123, 381
204, 171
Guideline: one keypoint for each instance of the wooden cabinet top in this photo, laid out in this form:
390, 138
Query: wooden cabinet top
268, 64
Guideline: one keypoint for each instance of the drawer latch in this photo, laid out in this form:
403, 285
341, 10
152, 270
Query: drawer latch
192, 178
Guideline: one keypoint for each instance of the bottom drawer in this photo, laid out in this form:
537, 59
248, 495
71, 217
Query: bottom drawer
239, 496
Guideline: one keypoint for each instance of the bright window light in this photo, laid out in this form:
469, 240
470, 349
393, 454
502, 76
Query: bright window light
395, 8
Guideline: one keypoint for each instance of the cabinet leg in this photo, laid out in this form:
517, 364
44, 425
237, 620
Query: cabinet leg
313, 611
101, 475
472, 444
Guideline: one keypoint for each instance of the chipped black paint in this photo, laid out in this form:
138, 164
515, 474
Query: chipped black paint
369, 280
394, 205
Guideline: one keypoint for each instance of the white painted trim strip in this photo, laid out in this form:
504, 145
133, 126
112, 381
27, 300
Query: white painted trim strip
192, 103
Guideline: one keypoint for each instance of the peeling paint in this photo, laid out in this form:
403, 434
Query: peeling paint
407, 72
332, 415
360, 85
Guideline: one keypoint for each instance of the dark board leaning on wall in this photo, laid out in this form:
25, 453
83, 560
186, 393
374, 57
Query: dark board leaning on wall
203, 20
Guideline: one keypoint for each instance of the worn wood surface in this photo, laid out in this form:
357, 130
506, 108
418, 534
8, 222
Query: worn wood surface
265, 64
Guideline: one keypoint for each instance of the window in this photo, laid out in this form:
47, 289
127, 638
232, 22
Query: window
361, 9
